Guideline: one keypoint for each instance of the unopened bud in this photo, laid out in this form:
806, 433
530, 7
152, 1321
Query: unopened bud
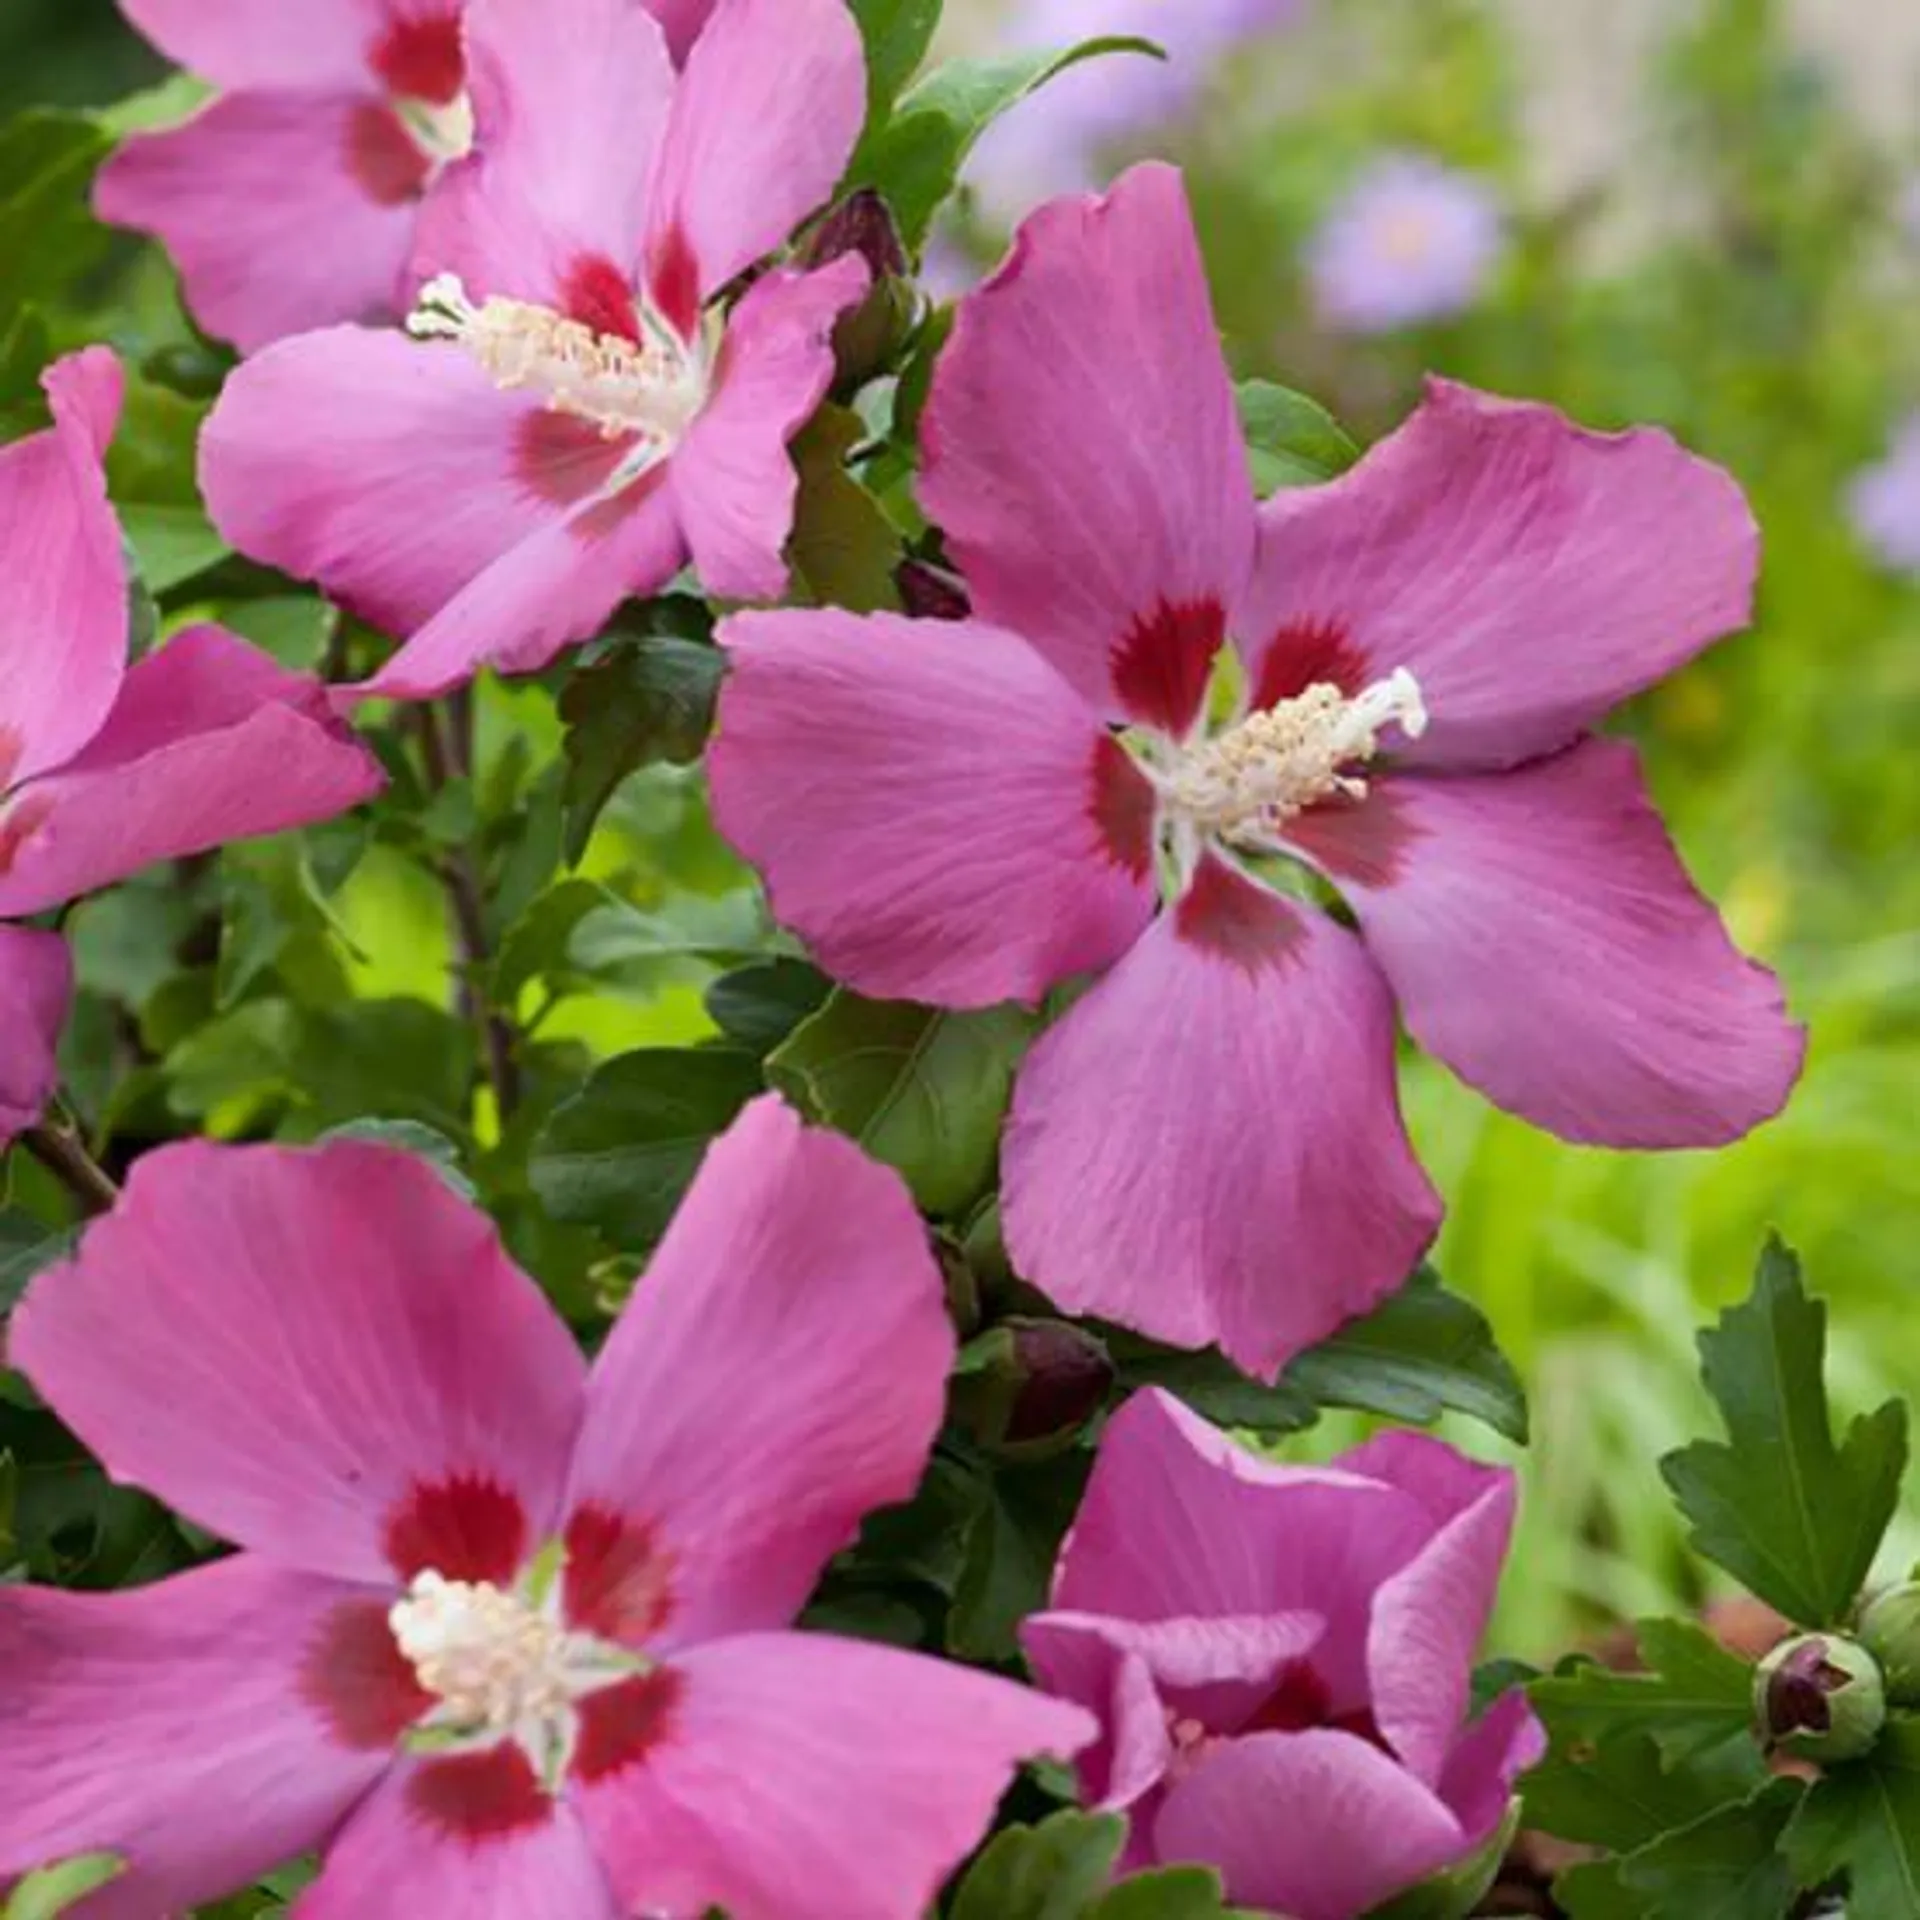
866, 339
1890, 1631
1819, 1696
1034, 1384
931, 593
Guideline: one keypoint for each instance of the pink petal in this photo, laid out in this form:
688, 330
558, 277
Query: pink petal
1499, 1747
1531, 574
412, 1850
1178, 1522
36, 989
1544, 940
283, 211
1428, 1621
264, 43
172, 1724
322, 1354
63, 580
210, 742
732, 481
1358, 1828
936, 812
811, 1778
780, 1372
392, 471
569, 106
556, 588
1215, 1671
1208, 1147
1084, 456
682, 20
764, 120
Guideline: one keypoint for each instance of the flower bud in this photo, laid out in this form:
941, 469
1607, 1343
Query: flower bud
1034, 1384
931, 593
867, 338
1890, 1631
1819, 1696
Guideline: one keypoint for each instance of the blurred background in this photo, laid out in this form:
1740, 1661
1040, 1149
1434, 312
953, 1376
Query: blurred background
1704, 213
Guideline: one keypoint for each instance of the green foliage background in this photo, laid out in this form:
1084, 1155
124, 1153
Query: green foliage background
1770, 325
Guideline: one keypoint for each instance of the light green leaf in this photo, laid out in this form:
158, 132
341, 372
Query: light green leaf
1054, 1871
1727, 1866
916, 157
897, 35
173, 544
409, 1136
1863, 1820
619, 1154
1291, 441
922, 1090
48, 236
1794, 1518
843, 547
52, 1890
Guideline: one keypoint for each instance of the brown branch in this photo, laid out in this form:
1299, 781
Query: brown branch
63, 1156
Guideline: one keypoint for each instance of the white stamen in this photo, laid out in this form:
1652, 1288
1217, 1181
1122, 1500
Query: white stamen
1246, 783
502, 1665
652, 389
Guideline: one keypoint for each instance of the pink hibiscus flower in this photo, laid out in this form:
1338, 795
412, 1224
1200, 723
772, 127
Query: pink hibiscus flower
289, 201
575, 415
105, 769
1256, 1637
1208, 1145
507, 1638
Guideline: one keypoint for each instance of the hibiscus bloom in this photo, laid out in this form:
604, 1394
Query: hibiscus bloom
504, 1637
105, 768
289, 201
575, 415
1257, 1637
1207, 1145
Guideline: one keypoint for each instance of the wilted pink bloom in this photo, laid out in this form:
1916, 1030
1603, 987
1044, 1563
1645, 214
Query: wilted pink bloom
574, 415
1207, 1145
289, 201
1411, 241
103, 769
1884, 503
1281, 1659
504, 1637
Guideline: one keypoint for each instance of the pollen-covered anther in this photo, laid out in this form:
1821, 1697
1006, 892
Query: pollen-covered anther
652, 388
1250, 780
488, 1657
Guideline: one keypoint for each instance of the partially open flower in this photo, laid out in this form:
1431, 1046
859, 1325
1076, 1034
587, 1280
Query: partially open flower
1819, 1696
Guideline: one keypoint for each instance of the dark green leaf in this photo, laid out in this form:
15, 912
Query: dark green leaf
1863, 1820
1695, 1697
1616, 1794
843, 548
759, 1005
1012, 1546
151, 473
1291, 441
53, 1890
409, 1136
1211, 1385
48, 236
1054, 1871
897, 35
1420, 1353
1728, 1866
916, 157
618, 1156
1792, 1517
173, 544
649, 699
27, 1247
923, 1090
1176, 1893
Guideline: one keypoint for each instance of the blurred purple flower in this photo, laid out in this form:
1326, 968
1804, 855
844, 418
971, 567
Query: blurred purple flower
1412, 240
1059, 142
1884, 502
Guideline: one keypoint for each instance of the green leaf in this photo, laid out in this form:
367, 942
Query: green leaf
1420, 1353
618, 1156
27, 1247
897, 35
1291, 441
916, 157
1615, 1793
52, 1890
1012, 1546
1054, 1871
1793, 1518
48, 236
922, 1090
409, 1136
649, 699
843, 548
1695, 1697
757, 1006
1176, 1893
1863, 1820
173, 544
151, 468
1727, 1866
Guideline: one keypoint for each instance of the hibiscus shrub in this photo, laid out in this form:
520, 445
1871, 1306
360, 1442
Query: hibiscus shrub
700, 975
